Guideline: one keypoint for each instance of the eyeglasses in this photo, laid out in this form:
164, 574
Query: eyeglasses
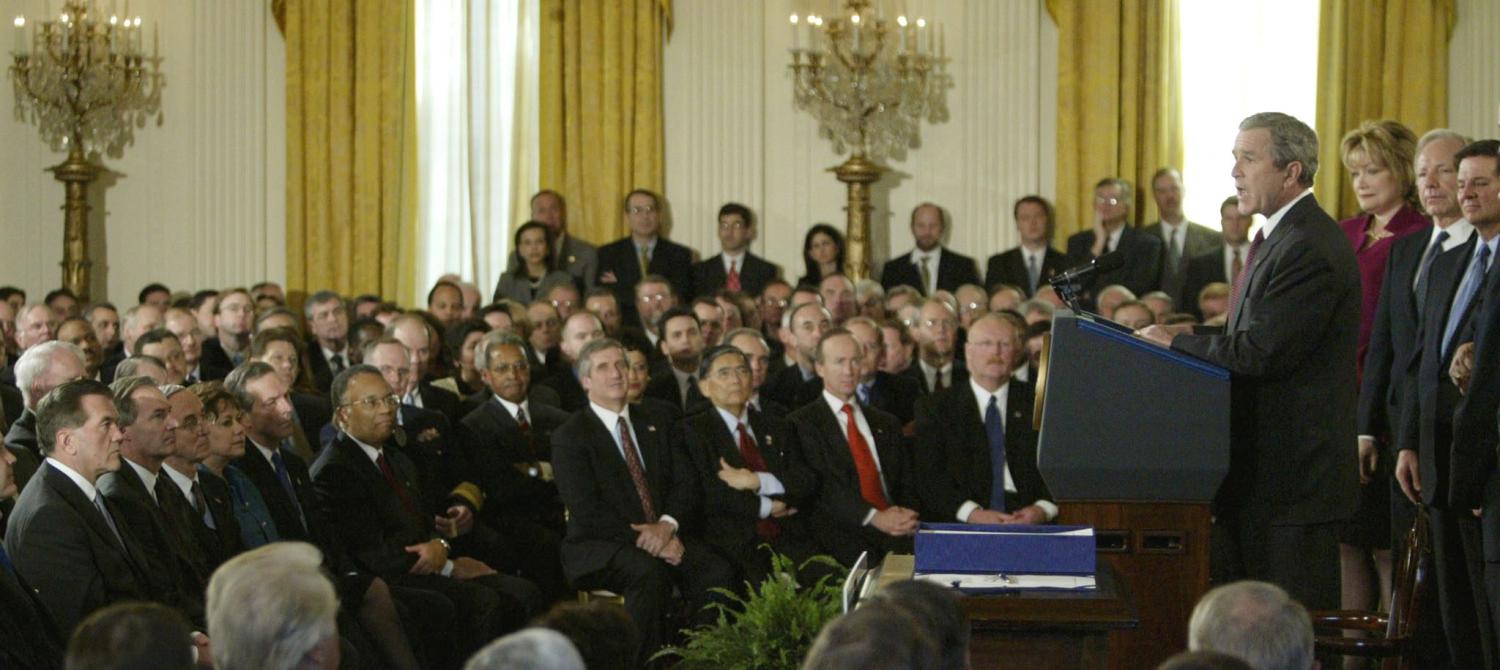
642, 210
729, 372
563, 303
648, 299
949, 324
1106, 201
375, 402
502, 368
401, 373
736, 225
774, 302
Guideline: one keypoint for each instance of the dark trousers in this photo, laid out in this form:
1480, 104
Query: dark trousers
487, 607
1303, 558
646, 583
1457, 559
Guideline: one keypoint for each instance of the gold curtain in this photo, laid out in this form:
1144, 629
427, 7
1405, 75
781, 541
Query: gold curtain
1119, 101
351, 146
1377, 59
601, 106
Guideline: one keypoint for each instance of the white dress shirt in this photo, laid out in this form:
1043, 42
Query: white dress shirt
769, 484
1002, 398
1280, 214
864, 429
936, 257
147, 477
930, 373
89, 491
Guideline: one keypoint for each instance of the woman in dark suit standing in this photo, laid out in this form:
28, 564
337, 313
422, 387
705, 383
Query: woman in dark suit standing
536, 271
1380, 157
823, 252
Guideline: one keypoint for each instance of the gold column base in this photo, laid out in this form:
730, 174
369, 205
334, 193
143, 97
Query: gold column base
76, 173
858, 172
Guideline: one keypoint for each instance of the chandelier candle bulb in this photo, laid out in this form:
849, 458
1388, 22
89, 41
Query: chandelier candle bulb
854, 20
20, 36
796, 37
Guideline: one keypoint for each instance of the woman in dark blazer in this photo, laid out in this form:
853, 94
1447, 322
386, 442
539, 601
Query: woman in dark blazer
823, 252
536, 270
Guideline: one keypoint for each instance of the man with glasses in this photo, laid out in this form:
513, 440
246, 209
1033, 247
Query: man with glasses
565, 299
805, 325
936, 332
328, 354
184, 325
654, 296
628, 260
734, 267
233, 316
1113, 232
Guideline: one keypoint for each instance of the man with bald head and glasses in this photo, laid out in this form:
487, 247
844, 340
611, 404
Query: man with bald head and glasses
936, 333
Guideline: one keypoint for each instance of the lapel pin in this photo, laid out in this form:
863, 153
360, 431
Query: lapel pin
651, 428
768, 440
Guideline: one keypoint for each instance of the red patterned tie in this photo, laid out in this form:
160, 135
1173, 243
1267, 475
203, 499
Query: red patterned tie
767, 528
1244, 276
390, 478
864, 464
733, 282
637, 471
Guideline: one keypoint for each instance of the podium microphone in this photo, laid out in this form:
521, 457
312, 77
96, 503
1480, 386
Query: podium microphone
1111, 261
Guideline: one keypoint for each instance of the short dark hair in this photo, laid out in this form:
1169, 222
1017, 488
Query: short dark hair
238, 381
1047, 209
124, 389
829, 334
716, 353
601, 292
7, 291
201, 297
878, 636
742, 211
549, 261
132, 635
155, 335
340, 385
1480, 149
128, 366
265, 337
655, 199
936, 609
58, 293
153, 287
62, 408
441, 283
454, 337
547, 191
603, 633
661, 325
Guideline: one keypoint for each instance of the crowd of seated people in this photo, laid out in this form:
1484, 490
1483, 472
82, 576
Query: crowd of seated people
625, 418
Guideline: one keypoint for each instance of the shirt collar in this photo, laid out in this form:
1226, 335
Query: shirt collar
181, 480
734, 421
370, 452
1276, 218
147, 477
734, 258
267, 452
838, 405
1493, 243
982, 396
610, 419
88, 487
513, 407
936, 255
1458, 233
328, 354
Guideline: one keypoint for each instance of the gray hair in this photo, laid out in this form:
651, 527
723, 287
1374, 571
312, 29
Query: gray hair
743, 331
238, 382
1291, 141
130, 367
786, 317
865, 288
1037, 306
715, 353
319, 298
1255, 621
1440, 134
586, 357
530, 649
492, 340
123, 388
170, 390
1117, 288
256, 627
35, 363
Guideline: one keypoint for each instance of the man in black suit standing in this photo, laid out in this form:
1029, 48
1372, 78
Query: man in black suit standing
1222, 264
1112, 232
893, 394
62, 537
624, 262
28, 638
866, 487
1290, 344
629, 490
734, 267
328, 349
1034, 261
750, 471
1181, 239
680, 338
978, 448
930, 266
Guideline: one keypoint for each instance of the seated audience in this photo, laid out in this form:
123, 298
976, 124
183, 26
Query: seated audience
164, 346
282, 349
290, 627
1160, 304
1005, 296
1203, 660
1255, 621
681, 342
973, 302
1111, 297
936, 333
1134, 314
328, 351
758, 356
28, 637
804, 324
869, 298
580, 329
128, 636
892, 393
899, 346
184, 325
105, 320
230, 347
77, 332
157, 295
39, 370
603, 304
565, 299
837, 293
276, 317
530, 649
1213, 303
226, 487
35, 324
445, 302
711, 319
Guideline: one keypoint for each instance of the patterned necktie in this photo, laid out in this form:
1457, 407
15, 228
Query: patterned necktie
1466, 292
1243, 278
1033, 273
525, 426
395, 484
994, 431
1421, 286
645, 261
1236, 266
926, 276
637, 471
200, 503
766, 528
864, 464
733, 281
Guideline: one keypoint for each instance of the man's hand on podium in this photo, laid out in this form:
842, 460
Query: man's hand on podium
896, 521
1163, 334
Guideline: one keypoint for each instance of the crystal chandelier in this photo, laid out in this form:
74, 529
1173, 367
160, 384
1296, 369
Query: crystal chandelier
870, 85
84, 80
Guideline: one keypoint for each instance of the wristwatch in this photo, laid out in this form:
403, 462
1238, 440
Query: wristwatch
447, 548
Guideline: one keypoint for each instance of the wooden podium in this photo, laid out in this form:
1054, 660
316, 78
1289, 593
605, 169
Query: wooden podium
1135, 442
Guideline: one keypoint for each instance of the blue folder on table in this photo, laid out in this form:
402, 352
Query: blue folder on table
957, 548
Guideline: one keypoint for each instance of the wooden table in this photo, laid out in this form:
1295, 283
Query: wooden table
1040, 630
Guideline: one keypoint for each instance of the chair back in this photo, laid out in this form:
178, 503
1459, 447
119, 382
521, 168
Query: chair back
1410, 582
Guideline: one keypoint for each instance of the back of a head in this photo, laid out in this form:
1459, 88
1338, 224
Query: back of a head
1203, 660
289, 626
602, 632
938, 610
876, 636
529, 649
131, 636
1254, 621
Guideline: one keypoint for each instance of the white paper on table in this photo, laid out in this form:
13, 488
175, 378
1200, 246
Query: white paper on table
996, 582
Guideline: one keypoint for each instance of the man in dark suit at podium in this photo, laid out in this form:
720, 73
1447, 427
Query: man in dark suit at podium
1290, 344
734, 267
978, 449
1034, 261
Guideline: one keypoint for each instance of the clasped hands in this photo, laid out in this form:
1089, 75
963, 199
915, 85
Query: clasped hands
660, 540
896, 521
1029, 515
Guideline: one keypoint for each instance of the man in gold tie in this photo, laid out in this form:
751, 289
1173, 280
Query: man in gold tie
643, 252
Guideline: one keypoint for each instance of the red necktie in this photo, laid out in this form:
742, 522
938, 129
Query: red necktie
526, 431
390, 478
733, 282
766, 528
637, 471
1244, 276
864, 464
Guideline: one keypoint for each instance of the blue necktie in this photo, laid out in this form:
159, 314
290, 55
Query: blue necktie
286, 483
863, 390
5, 561
1432, 253
1466, 290
994, 430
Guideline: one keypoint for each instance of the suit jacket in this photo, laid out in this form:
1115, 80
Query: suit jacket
322, 370
1197, 240
11, 403
576, 257
442, 401
435, 447
1291, 342
1429, 396
214, 363
600, 496
570, 394
954, 270
178, 570
1199, 273
500, 456
313, 412
1009, 267
1141, 272
291, 515
730, 515
226, 534
28, 638
894, 394
664, 387
374, 523
958, 375
788, 389
1475, 436
669, 259
112, 360
516, 287
755, 272
20, 440
838, 513
1393, 340
955, 463
64, 549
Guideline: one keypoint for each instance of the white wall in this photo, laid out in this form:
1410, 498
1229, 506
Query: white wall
733, 133
1474, 69
196, 202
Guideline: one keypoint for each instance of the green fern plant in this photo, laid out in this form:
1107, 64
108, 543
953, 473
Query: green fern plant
772, 629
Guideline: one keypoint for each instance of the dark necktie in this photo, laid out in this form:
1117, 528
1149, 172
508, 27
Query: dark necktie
1033, 274
1243, 279
200, 504
1236, 266
766, 528
390, 478
5, 561
637, 471
1473, 279
864, 464
733, 281
994, 431
338, 363
286, 484
525, 426
1432, 253
108, 520
937, 381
